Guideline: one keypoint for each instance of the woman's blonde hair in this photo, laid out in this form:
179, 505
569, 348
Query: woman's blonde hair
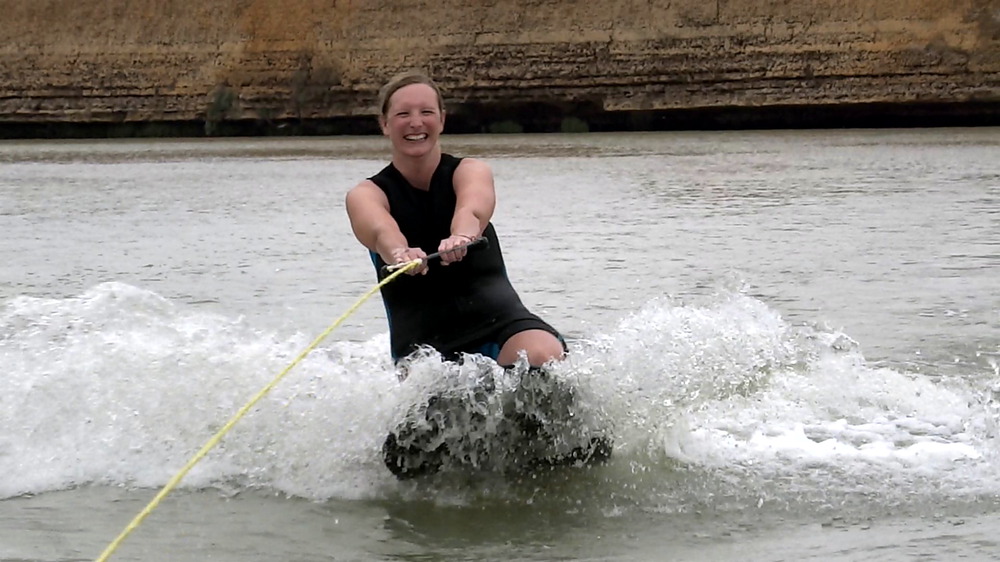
402, 80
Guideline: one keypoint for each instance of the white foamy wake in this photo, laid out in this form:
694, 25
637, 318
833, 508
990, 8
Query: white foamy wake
119, 386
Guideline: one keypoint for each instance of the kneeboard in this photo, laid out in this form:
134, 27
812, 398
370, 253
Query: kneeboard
534, 426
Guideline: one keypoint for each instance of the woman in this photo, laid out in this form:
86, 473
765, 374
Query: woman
426, 201
423, 202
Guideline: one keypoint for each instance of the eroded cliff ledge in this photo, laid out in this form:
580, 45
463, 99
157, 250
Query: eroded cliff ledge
252, 66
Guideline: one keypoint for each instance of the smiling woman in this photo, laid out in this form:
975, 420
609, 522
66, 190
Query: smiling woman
427, 202
424, 202
415, 119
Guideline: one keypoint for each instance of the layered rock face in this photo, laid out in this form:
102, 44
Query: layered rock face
114, 61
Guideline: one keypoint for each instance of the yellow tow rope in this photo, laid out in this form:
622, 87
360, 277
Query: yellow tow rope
241, 412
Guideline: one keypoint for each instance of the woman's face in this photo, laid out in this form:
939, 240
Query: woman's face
413, 121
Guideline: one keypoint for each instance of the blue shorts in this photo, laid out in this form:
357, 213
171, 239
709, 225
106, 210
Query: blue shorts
490, 346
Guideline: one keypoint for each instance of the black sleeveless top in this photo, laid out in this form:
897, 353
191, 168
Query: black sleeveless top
453, 307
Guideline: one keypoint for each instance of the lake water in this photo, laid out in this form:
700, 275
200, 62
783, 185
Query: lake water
794, 338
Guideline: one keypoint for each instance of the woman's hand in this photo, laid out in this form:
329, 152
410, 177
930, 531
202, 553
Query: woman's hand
454, 248
406, 255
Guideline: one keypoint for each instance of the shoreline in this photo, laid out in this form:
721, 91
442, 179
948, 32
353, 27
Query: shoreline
543, 118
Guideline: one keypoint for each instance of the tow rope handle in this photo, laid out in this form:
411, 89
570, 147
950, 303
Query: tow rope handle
478, 242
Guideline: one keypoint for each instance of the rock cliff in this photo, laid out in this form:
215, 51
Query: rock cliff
535, 63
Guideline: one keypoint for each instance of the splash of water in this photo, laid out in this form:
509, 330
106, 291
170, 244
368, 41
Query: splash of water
718, 403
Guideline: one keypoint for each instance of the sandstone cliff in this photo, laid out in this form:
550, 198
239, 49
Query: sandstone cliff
107, 61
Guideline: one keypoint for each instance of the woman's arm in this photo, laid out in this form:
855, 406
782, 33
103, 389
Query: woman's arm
374, 227
475, 201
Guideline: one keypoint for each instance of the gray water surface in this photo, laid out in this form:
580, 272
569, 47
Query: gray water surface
150, 287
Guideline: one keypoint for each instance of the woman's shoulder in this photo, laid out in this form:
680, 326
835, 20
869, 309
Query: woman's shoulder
465, 163
377, 182
387, 172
